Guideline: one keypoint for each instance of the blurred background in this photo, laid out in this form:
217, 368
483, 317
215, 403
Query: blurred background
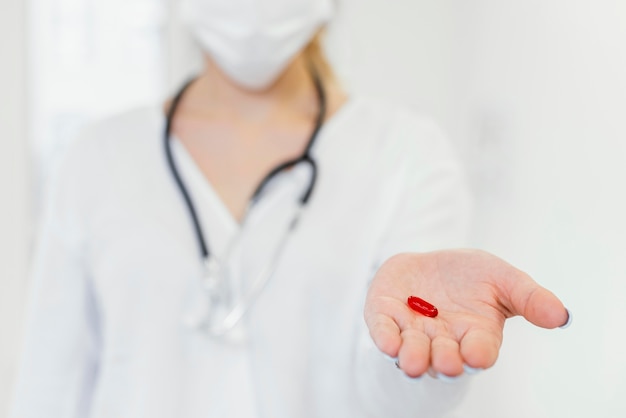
533, 93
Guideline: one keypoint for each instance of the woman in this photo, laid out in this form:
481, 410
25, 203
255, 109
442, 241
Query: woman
176, 278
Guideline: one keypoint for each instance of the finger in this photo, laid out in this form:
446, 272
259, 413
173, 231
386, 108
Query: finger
537, 304
385, 333
414, 356
446, 356
480, 347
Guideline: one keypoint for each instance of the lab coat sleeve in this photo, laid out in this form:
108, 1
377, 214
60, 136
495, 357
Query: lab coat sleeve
59, 356
431, 211
431, 208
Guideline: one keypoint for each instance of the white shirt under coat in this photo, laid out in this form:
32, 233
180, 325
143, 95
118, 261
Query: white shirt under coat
118, 263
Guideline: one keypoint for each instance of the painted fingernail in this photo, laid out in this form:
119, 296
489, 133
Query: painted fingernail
410, 379
471, 370
569, 320
446, 378
406, 376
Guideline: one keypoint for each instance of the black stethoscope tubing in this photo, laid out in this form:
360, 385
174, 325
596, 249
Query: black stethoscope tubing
304, 158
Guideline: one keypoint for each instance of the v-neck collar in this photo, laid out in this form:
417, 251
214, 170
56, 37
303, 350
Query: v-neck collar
202, 185
206, 189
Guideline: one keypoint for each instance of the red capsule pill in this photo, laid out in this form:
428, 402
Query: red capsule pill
421, 306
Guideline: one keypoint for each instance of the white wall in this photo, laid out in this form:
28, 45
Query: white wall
14, 204
546, 92
403, 50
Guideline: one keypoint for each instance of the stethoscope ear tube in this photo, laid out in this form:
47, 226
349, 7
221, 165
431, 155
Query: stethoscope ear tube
204, 250
309, 191
306, 155
304, 199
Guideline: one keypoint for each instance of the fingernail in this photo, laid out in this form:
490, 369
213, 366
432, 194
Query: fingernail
471, 370
446, 378
389, 358
569, 320
406, 376
410, 379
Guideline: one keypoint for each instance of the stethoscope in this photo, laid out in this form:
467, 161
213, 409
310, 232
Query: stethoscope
219, 313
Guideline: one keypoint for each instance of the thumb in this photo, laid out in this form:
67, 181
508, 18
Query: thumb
535, 303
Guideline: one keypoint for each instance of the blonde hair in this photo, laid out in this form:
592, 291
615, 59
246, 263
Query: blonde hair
314, 53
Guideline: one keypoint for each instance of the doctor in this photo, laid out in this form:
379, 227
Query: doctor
216, 256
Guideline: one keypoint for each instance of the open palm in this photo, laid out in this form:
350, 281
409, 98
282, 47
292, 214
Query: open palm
474, 291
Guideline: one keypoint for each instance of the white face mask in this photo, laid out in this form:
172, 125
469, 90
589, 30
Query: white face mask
253, 41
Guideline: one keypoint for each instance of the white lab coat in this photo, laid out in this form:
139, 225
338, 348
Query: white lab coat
117, 265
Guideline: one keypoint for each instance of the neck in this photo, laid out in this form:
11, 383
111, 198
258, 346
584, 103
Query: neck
294, 89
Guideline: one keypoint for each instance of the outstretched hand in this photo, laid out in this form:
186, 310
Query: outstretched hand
474, 291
